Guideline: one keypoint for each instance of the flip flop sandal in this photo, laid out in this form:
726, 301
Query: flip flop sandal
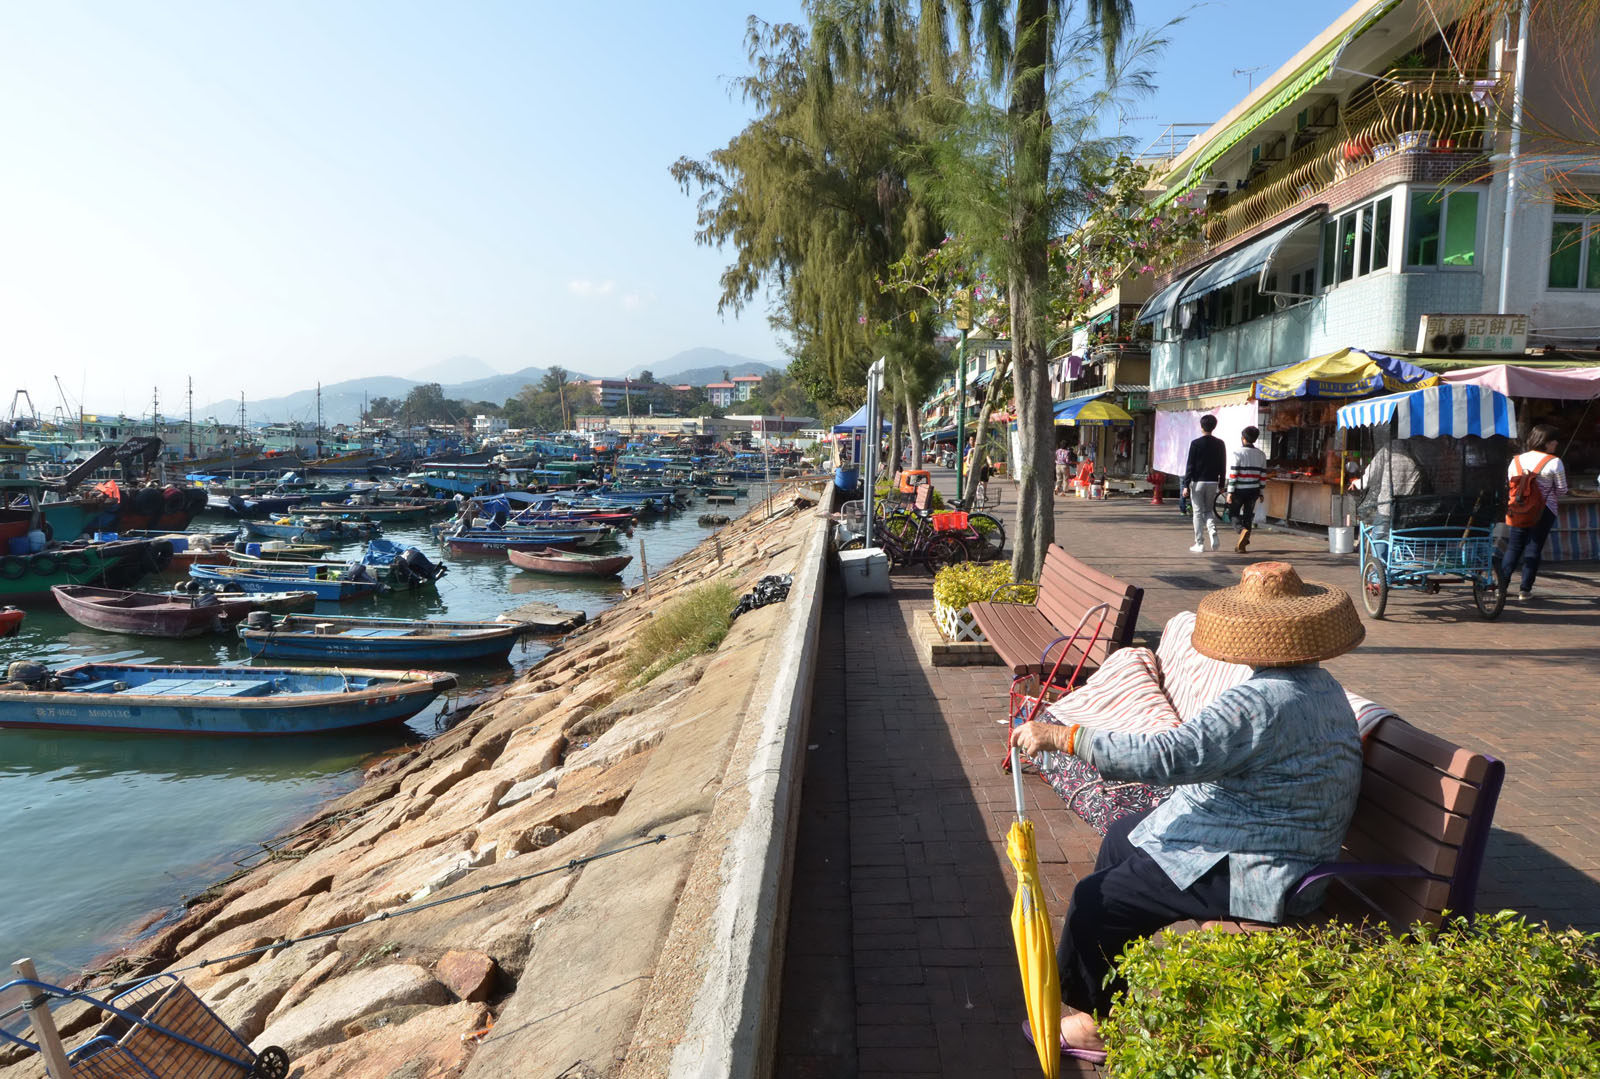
1092, 1056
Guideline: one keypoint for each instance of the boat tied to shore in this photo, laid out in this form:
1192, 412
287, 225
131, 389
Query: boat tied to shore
328, 638
158, 614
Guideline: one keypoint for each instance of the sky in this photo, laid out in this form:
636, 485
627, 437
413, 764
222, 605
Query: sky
260, 196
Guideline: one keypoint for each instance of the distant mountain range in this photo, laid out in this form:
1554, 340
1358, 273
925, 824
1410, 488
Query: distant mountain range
342, 402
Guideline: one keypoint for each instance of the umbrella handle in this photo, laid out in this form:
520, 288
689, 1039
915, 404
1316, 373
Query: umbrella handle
1016, 778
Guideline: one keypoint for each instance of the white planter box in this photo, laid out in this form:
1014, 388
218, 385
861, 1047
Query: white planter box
956, 625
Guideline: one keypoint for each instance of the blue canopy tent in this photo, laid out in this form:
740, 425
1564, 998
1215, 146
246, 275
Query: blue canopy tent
855, 426
1450, 409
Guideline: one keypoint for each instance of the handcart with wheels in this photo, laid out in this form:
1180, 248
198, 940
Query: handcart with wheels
156, 1028
1435, 490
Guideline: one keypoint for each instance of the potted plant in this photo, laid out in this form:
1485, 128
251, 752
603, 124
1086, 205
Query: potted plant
957, 587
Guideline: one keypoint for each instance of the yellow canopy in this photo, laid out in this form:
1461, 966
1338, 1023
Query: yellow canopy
1350, 372
1036, 947
1092, 412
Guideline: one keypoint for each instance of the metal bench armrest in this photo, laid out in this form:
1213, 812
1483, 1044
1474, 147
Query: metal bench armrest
1332, 870
994, 597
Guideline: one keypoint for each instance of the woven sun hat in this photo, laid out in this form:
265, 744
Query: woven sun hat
1272, 618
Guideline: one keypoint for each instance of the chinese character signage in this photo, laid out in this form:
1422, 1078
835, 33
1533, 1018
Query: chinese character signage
1443, 335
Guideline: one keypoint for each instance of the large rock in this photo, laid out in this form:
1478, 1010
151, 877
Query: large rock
245, 1000
321, 1018
435, 1044
470, 975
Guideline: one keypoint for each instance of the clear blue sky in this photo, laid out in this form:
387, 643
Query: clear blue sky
261, 195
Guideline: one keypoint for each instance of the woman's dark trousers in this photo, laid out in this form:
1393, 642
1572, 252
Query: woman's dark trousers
1128, 896
1527, 545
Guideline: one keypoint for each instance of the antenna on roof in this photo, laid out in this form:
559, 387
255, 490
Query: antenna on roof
1250, 75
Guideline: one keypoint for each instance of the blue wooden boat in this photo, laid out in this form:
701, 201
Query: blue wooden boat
479, 540
217, 700
332, 583
382, 641
310, 530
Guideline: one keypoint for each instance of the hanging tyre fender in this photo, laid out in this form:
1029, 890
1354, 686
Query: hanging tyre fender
13, 568
75, 562
44, 564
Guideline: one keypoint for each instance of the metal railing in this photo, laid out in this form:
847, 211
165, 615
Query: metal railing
1432, 112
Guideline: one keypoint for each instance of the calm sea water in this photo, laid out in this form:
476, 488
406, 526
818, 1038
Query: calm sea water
99, 830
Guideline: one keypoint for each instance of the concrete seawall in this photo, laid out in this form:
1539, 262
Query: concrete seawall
660, 959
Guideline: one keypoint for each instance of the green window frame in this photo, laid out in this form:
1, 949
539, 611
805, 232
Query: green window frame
1574, 253
1442, 229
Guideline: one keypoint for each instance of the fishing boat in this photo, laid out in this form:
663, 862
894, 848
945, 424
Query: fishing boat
276, 602
213, 700
381, 641
567, 563
278, 551
479, 540
10, 621
318, 529
389, 562
266, 506
333, 583
156, 614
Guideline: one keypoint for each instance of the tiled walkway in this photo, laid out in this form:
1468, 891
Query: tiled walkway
899, 955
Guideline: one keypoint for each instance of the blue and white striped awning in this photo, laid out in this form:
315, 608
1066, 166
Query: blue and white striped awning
1455, 410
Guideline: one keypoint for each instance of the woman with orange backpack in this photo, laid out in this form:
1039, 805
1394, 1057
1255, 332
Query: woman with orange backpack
1537, 479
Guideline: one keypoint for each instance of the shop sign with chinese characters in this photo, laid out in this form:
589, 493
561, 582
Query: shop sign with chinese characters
1445, 334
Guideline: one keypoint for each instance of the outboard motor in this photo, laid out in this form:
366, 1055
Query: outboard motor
411, 568
238, 505
259, 620
27, 674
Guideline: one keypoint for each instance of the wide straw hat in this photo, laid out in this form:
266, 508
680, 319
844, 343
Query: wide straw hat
1272, 618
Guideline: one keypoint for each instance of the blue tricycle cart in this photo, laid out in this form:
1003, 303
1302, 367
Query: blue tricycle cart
155, 1029
1435, 491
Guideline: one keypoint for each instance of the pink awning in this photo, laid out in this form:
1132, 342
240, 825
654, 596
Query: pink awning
1550, 383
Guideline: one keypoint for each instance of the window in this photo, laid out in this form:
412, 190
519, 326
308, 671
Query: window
1443, 229
1575, 252
1356, 243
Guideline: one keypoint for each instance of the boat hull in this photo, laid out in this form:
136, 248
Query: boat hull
379, 650
541, 562
337, 591
396, 699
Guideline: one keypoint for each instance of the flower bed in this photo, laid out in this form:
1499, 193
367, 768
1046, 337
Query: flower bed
959, 586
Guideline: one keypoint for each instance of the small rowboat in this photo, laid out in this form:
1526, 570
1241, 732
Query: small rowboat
217, 700
569, 564
10, 621
152, 614
328, 582
383, 641
483, 540
250, 602
281, 551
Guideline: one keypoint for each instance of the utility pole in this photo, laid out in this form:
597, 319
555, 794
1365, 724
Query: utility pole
319, 420
155, 411
191, 418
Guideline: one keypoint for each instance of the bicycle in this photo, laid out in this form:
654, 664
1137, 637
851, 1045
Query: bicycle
985, 535
918, 545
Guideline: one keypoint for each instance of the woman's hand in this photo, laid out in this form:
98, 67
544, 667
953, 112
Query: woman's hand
1034, 738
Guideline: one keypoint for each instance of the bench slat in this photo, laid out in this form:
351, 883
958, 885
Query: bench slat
1432, 750
1400, 901
1419, 812
1452, 795
1377, 836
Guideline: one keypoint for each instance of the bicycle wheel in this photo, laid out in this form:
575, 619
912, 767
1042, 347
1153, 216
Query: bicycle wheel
942, 551
1489, 593
1374, 588
902, 526
989, 536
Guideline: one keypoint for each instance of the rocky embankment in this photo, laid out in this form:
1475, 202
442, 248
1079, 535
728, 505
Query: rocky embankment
594, 968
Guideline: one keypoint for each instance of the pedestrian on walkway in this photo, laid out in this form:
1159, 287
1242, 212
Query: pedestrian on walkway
1265, 782
1247, 469
1063, 469
1525, 544
1202, 479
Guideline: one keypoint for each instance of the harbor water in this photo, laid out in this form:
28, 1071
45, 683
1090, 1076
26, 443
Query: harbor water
104, 830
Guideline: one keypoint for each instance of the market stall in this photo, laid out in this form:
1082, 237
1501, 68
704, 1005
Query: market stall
1565, 399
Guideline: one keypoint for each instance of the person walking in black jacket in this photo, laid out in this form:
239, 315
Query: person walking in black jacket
1202, 478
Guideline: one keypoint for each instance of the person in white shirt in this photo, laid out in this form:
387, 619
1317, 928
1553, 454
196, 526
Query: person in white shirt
1526, 545
1247, 470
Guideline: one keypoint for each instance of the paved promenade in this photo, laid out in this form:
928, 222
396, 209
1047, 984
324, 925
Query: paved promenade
899, 956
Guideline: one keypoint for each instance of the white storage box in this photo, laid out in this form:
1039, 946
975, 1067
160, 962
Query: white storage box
866, 573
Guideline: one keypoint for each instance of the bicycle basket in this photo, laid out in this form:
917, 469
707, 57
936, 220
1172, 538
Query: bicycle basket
954, 521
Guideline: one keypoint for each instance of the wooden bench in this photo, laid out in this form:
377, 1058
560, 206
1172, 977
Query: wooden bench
1416, 844
1026, 636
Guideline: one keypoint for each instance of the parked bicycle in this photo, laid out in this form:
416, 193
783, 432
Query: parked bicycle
915, 546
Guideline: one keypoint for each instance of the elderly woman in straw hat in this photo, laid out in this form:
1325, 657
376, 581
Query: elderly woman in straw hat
1265, 780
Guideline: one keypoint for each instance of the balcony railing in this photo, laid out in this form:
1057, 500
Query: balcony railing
1434, 112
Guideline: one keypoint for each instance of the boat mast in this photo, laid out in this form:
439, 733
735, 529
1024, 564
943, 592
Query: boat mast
191, 417
155, 411
319, 420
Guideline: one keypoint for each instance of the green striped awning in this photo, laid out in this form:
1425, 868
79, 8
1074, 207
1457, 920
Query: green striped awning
1310, 73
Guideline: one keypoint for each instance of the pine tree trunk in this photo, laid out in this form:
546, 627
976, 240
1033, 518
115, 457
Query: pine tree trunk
914, 425
991, 402
1030, 123
892, 460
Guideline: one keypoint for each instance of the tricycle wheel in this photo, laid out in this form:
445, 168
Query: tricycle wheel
1374, 589
271, 1063
1489, 593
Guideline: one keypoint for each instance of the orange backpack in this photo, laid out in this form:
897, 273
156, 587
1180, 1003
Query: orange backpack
1525, 501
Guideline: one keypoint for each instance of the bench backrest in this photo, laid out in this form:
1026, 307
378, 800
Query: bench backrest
1068, 587
1427, 803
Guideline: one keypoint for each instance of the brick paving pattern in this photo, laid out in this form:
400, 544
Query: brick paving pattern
899, 957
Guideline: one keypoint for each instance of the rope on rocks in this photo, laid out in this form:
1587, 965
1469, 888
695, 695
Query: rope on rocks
566, 866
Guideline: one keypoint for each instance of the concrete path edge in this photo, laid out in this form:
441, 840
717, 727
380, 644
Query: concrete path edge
732, 1026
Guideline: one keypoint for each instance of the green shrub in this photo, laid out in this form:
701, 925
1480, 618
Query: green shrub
1502, 998
966, 583
689, 625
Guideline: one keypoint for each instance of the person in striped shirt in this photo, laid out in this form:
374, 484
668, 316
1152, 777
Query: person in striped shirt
1247, 470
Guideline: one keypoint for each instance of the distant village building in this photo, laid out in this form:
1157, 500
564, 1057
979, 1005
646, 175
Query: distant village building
488, 426
745, 386
610, 392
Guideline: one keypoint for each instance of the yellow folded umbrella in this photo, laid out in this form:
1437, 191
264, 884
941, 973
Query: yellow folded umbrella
1036, 945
